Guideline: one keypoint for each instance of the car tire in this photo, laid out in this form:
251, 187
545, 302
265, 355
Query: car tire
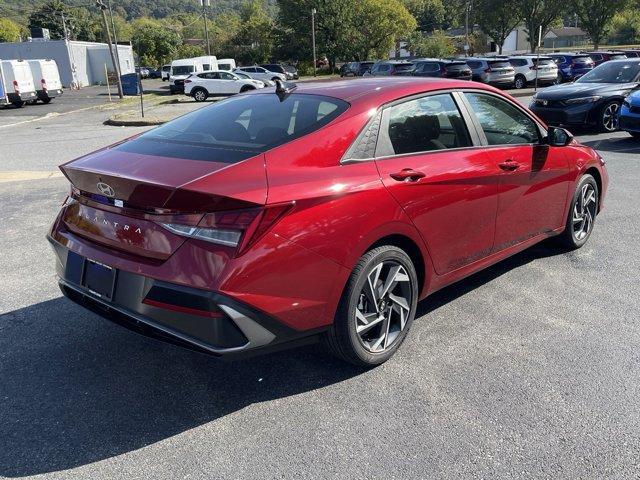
582, 214
276, 78
46, 100
635, 135
390, 312
246, 88
520, 82
199, 94
172, 90
608, 119
18, 103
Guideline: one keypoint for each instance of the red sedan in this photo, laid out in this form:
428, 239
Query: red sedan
324, 211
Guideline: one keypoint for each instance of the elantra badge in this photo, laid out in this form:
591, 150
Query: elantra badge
106, 190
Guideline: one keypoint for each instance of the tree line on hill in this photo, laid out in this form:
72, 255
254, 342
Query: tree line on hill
254, 31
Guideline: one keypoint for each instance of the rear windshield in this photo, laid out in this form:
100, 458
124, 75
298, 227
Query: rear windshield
500, 64
238, 128
182, 69
456, 66
585, 59
544, 62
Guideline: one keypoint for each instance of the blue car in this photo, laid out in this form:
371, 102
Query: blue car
572, 66
629, 117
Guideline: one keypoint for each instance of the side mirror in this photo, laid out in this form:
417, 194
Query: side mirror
558, 137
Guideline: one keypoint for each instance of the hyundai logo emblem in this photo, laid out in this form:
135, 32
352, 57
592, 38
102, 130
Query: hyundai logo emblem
106, 190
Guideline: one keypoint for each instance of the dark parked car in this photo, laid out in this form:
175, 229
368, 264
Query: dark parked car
155, 73
355, 69
277, 68
572, 66
430, 67
629, 118
601, 57
390, 68
631, 53
594, 99
273, 219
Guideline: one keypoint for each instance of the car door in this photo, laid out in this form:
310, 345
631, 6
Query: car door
426, 158
228, 83
534, 178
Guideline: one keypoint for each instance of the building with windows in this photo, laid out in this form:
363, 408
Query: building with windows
80, 63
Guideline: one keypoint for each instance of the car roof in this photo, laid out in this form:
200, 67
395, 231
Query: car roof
371, 92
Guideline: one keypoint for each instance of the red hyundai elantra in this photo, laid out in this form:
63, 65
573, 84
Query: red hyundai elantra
323, 211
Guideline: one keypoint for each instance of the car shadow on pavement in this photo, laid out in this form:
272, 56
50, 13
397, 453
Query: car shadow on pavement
76, 389
615, 144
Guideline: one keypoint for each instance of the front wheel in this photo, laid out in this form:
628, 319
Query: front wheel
18, 103
635, 135
376, 309
609, 117
582, 214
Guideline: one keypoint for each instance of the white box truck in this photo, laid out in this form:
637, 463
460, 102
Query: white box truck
46, 79
17, 82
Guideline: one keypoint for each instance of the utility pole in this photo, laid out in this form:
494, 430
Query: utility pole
206, 3
467, 6
115, 39
103, 9
313, 39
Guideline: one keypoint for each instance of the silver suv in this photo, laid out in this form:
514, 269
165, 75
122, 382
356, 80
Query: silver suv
528, 67
495, 71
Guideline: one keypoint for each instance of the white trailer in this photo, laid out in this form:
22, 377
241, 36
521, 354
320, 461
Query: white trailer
17, 82
46, 79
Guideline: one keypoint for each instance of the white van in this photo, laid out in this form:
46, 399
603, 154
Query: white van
17, 82
182, 68
227, 64
46, 79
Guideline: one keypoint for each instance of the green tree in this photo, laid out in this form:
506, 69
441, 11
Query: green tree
429, 14
541, 13
379, 25
596, 15
254, 41
498, 19
625, 27
81, 23
335, 35
436, 45
9, 30
154, 41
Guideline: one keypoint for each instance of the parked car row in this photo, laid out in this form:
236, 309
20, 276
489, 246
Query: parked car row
23, 81
517, 71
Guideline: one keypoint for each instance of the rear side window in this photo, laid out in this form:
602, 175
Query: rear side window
543, 62
584, 59
428, 67
384, 67
502, 123
518, 62
422, 125
403, 67
238, 128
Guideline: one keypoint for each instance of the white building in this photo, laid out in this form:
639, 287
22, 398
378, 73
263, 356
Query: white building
79, 63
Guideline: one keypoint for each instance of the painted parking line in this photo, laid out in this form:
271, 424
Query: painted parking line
24, 175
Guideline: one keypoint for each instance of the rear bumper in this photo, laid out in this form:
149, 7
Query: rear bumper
200, 320
49, 93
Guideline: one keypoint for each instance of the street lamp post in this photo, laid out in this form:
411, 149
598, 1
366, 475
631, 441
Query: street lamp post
313, 38
206, 3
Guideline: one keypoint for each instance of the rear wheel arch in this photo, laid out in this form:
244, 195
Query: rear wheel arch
410, 247
246, 88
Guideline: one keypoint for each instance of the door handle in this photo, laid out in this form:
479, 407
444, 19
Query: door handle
407, 175
509, 165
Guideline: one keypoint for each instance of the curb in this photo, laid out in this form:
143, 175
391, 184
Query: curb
135, 122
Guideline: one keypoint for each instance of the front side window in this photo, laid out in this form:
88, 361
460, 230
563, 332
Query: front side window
612, 72
502, 123
423, 125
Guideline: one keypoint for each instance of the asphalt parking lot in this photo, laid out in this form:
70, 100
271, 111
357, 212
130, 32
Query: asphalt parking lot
526, 370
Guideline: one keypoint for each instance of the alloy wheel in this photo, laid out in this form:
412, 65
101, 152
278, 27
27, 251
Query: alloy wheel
519, 83
610, 117
200, 96
384, 306
584, 212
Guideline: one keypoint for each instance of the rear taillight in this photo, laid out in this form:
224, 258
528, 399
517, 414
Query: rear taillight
236, 228
16, 88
